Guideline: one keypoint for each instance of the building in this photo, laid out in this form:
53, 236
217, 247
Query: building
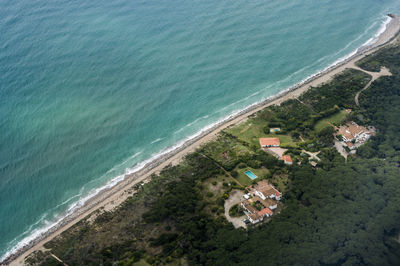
246, 205
271, 204
254, 218
266, 191
354, 135
251, 212
263, 202
255, 215
266, 212
353, 132
269, 142
287, 159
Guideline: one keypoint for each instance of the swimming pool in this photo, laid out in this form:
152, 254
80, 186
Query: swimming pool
250, 174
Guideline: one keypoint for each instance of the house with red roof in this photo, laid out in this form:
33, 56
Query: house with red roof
265, 190
266, 212
287, 159
269, 142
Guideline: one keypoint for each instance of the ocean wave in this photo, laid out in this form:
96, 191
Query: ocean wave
190, 124
156, 140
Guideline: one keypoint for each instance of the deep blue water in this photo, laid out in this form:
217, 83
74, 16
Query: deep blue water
91, 88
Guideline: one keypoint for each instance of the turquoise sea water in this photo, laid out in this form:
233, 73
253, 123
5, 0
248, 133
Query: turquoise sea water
89, 89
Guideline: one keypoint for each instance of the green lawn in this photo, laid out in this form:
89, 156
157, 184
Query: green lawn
335, 119
252, 130
245, 180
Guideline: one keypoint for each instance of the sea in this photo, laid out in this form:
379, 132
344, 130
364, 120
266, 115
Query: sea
92, 90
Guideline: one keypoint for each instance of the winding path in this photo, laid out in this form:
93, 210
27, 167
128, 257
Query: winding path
375, 75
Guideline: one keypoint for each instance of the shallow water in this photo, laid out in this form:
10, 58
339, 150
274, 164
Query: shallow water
89, 89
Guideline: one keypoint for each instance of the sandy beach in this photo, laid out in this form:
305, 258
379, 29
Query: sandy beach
109, 199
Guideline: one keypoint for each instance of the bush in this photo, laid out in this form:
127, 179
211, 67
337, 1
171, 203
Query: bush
234, 173
235, 211
210, 194
242, 165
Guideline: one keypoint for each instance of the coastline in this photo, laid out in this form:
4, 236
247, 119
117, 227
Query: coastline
113, 196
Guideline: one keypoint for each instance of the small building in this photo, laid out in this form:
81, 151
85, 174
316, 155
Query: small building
266, 191
287, 159
254, 218
271, 204
248, 207
266, 212
278, 195
270, 142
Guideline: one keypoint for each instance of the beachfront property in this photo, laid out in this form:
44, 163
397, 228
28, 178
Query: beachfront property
261, 201
353, 135
269, 142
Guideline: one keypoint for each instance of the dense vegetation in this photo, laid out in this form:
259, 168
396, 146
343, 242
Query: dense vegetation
336, 214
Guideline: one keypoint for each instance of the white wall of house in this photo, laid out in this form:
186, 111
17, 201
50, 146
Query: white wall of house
261, 195
273, 207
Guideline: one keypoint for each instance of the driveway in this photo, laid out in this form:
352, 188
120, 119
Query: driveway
234, 198
340, 149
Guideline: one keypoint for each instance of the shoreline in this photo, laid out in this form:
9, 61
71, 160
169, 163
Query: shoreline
110, 197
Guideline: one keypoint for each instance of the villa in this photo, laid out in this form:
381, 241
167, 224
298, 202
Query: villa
269, 142
253, 214
353, 134
260, 202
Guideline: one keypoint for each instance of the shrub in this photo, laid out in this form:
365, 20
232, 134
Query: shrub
235, 174
235, 211
242, 165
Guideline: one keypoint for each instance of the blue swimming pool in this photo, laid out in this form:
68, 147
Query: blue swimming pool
251, 175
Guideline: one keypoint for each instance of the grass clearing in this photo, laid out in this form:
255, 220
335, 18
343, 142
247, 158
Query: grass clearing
226, 151
334, 119
245, 180
281, 182
252, 130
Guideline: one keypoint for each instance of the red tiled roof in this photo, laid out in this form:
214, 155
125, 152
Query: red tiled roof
287, 158
270, 142
349, 144
265, 211
277, 193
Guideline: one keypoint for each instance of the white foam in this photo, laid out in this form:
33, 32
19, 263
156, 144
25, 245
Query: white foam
190, 124
156, 140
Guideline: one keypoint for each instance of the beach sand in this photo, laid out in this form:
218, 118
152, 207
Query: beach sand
114, 196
